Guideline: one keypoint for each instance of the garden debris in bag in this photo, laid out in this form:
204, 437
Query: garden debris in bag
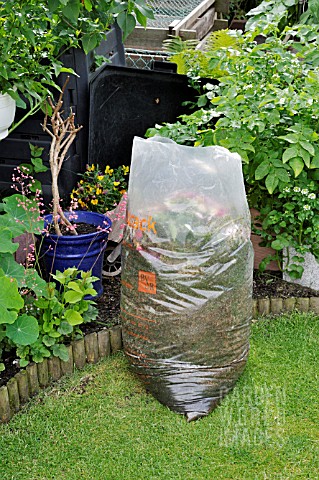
187, 258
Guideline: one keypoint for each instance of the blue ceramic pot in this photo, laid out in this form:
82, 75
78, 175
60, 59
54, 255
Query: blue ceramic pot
84, 252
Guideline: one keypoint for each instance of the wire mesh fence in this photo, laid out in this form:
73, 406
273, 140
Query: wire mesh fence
143, 59
165, 12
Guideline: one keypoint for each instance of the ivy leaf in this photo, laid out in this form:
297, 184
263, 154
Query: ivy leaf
24, 331
38, 165
297, 165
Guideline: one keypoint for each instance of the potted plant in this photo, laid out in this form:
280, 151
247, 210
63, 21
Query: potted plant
74, 238
105, 192
262, 108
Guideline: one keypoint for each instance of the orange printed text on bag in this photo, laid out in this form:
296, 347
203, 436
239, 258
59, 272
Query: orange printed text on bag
143, 224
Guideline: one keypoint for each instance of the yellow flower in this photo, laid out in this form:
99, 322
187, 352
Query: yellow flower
91, 168
94, 201
100, 177
116, 184
98, 191
125, 169
108, 170
81, 182
122, 192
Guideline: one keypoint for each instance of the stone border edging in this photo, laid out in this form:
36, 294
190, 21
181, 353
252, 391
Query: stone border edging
276, 305
28, 382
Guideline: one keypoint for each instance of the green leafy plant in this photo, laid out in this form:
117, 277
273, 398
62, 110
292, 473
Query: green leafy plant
34, 34
58, 313
291, 221
263, 108
100, 191
282, 13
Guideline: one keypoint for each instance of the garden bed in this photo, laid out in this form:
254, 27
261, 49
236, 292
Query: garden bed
271, 295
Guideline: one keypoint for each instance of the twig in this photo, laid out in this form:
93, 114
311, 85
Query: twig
63, 132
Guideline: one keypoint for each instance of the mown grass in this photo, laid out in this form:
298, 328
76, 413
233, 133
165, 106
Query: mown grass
100, 424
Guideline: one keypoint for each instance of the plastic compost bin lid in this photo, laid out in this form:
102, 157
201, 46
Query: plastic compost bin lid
125, 102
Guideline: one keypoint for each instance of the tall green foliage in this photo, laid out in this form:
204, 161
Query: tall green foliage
263, 107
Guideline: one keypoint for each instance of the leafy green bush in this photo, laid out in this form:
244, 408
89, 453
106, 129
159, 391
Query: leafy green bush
262, 107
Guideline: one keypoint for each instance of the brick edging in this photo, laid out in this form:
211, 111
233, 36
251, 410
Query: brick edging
276, 306
28, 382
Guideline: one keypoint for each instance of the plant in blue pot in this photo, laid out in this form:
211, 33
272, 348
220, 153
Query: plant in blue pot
71, 238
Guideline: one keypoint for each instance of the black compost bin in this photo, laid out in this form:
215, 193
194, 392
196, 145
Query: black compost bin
15, 148
125, 102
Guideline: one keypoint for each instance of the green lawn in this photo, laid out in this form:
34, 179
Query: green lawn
100, 424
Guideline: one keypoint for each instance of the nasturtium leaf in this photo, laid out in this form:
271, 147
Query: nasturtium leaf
12, 269
7, 316
24, 331
9, 295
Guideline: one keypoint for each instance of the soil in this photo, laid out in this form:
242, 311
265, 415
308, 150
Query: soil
267, 284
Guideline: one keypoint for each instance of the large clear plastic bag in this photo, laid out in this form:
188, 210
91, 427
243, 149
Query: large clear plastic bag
187, 267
